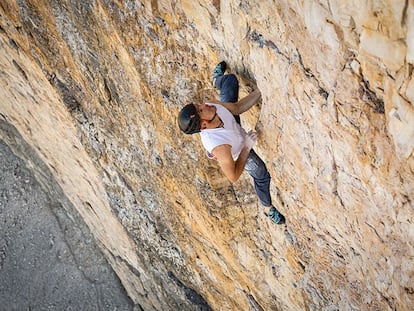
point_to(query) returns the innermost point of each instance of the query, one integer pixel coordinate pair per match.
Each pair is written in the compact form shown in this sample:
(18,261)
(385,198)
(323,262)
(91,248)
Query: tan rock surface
(95,87)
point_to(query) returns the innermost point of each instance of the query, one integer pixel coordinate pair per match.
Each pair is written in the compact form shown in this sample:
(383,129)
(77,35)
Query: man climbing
(218,123)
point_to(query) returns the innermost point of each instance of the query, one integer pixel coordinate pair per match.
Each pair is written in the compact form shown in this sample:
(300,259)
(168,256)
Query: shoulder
(211,138)
(222,152)
(223,112)
(233,108)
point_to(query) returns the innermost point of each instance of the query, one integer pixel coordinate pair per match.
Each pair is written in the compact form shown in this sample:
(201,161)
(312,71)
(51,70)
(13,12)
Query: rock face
(95,86)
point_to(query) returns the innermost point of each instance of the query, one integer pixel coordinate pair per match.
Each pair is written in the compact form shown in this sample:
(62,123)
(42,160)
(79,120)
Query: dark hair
(189,120)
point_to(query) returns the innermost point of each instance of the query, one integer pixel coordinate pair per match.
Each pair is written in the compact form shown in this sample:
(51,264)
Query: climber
(218,123)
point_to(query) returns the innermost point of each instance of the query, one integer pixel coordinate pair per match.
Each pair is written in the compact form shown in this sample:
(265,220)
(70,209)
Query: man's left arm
(233,169)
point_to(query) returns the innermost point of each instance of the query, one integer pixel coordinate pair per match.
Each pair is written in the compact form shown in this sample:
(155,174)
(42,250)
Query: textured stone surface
(95,87)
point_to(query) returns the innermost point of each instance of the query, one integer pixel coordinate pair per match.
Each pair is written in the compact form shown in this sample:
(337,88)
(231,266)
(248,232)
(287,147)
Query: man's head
(189,120)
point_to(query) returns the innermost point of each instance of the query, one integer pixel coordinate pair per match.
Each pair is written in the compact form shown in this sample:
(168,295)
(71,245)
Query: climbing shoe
(219,70)
(276,217)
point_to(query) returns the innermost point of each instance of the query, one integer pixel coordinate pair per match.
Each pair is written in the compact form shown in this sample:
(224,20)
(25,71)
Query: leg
(229,89)
(261,178)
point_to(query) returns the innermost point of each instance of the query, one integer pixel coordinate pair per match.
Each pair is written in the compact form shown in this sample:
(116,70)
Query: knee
(231,78)
(264,176)
(258,172)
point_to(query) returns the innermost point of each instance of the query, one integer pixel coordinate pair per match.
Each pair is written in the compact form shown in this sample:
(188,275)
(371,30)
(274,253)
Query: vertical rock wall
(95,87)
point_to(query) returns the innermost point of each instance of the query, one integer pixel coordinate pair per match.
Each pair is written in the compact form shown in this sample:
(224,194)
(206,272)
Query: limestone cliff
(95,86)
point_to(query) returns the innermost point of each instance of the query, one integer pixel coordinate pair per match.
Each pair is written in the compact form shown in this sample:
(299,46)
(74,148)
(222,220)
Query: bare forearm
(240,163)
(233,169)
(242,105)
(249,101)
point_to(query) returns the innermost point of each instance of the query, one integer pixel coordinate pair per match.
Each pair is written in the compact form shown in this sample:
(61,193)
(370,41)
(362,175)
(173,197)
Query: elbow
(234,109)
(233,179)
(237,111)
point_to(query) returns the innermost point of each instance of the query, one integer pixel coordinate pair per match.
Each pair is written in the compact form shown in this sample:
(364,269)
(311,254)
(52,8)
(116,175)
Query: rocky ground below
(48,258)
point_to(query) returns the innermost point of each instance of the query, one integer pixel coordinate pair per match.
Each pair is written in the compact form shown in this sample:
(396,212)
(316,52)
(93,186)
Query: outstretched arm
(233,169)
(248,101)
(243,104)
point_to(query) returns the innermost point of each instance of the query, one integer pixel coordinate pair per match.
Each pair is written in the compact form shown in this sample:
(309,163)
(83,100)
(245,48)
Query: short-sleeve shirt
(230,134)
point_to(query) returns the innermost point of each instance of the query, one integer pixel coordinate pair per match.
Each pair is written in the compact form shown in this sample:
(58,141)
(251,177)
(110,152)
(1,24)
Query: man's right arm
(243,104)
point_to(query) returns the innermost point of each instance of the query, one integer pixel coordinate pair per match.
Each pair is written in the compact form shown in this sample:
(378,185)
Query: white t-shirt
(230,134)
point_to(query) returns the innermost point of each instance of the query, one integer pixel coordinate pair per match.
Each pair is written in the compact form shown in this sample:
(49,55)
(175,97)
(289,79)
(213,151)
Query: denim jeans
(261,177)
(229,92)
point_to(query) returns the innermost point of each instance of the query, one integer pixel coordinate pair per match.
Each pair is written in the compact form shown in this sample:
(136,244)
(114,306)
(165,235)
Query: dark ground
(48,258)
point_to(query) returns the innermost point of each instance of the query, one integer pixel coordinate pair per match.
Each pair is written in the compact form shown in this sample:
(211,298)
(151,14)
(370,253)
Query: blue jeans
(229,92)
(261,177)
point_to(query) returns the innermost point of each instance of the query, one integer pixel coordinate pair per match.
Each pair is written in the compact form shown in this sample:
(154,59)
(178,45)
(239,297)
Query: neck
(215,114)
(215,122)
